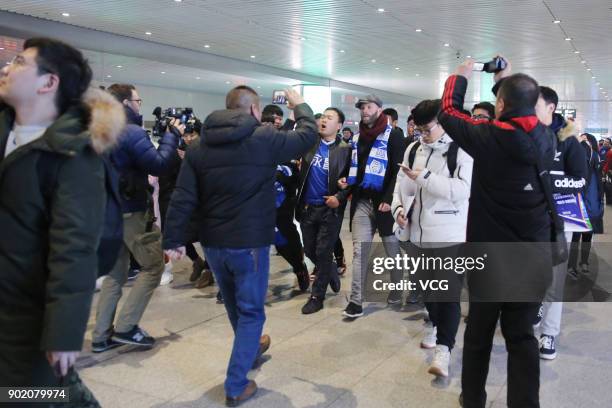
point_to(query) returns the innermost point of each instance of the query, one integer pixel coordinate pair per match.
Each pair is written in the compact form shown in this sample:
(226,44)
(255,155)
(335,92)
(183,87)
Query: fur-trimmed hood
(97,122)
(106,119)
(563,128)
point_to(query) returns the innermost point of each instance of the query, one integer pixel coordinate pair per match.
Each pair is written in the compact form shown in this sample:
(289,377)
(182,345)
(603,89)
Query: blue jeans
(242,276)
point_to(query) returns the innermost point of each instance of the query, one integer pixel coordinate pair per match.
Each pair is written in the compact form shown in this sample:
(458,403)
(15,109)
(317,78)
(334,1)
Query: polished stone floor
(322,360)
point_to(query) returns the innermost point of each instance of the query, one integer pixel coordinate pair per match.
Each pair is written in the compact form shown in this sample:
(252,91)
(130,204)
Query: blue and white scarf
(278,186)
(376,166)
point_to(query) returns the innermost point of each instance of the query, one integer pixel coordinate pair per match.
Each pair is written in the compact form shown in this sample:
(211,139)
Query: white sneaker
(99,282)
(429,339)
(440,362)
(167,276)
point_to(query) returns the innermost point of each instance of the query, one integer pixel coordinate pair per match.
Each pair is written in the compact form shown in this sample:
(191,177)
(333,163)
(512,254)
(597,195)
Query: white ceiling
(307,37)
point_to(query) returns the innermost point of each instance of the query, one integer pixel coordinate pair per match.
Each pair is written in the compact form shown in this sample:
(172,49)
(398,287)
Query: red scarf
(371,133)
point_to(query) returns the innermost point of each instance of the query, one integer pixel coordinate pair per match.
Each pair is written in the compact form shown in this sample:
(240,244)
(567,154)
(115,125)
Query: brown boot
(205,280)
(264,345)
(248,392)
(196,269)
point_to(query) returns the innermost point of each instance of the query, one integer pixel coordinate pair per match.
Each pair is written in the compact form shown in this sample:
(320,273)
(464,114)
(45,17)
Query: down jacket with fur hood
(48,241)
(569,171)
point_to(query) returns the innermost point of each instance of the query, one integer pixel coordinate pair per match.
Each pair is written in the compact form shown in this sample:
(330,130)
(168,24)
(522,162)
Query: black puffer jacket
(229,177)
(49,234)
(569,170)
(507,203)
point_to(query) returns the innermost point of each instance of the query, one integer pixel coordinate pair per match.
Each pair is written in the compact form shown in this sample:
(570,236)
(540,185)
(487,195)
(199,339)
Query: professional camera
(163,118)
(495,65)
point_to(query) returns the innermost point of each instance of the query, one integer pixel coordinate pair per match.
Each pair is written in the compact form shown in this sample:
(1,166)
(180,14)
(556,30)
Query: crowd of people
(76,204)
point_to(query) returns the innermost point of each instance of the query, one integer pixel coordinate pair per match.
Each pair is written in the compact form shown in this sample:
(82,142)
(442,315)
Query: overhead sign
(596,130)
(567,113)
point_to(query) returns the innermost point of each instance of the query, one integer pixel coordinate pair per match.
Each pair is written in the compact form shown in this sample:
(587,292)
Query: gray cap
(369,99)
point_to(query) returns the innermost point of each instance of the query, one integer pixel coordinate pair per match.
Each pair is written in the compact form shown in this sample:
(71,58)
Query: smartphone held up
(497,64)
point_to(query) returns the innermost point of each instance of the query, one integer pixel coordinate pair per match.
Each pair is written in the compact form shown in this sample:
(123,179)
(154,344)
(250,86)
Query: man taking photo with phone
(508,203)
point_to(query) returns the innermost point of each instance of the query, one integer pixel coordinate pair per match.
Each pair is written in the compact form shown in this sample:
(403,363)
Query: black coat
(49,235)
(167,183)
(339,164)
(569,171)
(229,176)
(395,152)
(507,203)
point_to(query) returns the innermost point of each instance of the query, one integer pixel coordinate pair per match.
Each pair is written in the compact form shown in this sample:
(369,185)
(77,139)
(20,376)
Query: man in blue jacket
(135,158)
(229,178)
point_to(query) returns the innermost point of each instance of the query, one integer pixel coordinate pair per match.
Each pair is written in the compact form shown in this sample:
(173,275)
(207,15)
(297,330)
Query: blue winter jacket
(135,157)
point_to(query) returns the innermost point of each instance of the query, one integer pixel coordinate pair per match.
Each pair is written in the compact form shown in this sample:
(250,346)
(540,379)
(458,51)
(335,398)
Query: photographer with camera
(201,273)
(135,158)
(509,203)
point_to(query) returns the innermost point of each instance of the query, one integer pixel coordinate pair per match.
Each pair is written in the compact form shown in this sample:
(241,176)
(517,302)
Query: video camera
(163,118)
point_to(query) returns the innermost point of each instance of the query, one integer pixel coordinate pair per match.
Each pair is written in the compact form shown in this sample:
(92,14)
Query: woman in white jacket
(430,206)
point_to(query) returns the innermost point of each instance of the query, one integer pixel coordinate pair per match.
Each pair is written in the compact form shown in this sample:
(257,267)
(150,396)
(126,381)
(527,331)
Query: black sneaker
(334,283)
(414,300)
(102,346)
(539,317)
(547,347)
(136,337)
(353,310)
(219,298)
(133,273)
(573,274)
(312,306)
(394,298)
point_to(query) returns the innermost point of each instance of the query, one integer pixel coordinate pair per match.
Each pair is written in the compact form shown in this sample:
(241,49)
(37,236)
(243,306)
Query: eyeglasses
(426,131)
(20,61)
(480,117)
(139,101)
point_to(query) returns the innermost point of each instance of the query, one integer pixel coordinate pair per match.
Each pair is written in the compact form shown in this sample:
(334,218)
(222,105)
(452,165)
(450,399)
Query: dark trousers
(339,251)
(516,321)
(191,252)
(321,229)
(242,276)
(584,249)
(445,316)
(293,252)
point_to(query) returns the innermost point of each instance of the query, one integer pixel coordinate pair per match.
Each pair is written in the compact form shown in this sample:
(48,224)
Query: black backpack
(112,232)
(451,156)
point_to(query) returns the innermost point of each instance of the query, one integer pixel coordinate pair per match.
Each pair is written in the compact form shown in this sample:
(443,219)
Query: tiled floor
(321,360)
